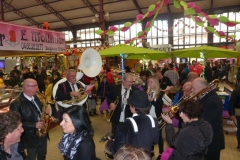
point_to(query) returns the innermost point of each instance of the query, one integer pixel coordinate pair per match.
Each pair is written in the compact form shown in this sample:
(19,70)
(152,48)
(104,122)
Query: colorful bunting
(190,11)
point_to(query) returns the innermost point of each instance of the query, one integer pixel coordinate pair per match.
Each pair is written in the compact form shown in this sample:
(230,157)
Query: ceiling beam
(168,9)
(53,11)
(137,6)
(90,6)
(22,15)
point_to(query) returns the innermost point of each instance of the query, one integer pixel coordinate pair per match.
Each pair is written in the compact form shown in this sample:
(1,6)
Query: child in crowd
(92,100)
(102,92)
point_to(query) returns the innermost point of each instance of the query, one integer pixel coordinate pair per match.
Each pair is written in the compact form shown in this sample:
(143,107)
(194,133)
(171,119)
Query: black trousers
(114,127)
(38,152)
(213,154)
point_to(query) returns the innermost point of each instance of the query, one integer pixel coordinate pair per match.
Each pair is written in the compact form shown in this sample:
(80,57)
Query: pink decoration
(221,33)
(127,41)
(148,24)
(165,2)
(150,14)
(113,28)
(124,29)
(214,22)
(197,9)
(139,17)
(197,19)
(191,5)
(230,24)
(204,15)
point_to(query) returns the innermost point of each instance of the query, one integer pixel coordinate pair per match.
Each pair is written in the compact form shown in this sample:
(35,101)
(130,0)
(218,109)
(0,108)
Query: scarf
(69,143)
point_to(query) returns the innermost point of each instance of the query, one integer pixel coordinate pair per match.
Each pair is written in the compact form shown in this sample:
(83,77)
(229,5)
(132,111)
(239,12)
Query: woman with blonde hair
(155,97)
(129,152)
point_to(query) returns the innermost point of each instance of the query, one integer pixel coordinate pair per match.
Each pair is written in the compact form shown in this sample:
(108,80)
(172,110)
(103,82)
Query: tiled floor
(101,127)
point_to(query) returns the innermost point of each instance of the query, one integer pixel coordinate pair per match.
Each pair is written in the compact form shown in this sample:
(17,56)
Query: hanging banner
(20,38)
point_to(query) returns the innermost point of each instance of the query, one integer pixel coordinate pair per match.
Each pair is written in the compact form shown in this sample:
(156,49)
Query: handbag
(237,112)
(167,154)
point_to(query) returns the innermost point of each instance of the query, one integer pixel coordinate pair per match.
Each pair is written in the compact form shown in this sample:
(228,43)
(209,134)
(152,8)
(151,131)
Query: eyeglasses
(32,85)
(129,81)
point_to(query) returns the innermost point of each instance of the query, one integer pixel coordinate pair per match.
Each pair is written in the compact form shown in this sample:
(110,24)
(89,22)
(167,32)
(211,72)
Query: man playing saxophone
(30,108)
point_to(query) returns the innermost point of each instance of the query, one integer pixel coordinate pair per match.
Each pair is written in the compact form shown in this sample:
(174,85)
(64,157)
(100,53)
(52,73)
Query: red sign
(20,38)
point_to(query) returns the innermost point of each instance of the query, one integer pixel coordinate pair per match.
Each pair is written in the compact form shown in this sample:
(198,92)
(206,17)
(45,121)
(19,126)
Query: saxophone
(45,118)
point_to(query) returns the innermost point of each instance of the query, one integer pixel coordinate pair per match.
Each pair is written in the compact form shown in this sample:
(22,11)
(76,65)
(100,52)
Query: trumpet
(111,114)
(199,95)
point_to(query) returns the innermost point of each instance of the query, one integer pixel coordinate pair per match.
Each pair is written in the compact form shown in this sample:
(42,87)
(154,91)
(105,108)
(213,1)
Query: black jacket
(100,89)
(85,150)
(212,113)
(190,142)
(234,101)
(29,116)
(146,136)
(158,103)
(115,91)
(61,94)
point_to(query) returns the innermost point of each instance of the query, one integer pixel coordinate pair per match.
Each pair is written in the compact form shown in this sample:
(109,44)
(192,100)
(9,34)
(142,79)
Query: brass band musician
(30,108)
(140,130)
(121,91)
(212,113)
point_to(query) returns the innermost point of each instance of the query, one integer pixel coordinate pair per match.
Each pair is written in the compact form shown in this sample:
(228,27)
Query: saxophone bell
(45,118)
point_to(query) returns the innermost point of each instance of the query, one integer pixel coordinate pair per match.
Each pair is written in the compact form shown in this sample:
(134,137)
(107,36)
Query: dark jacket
(29,116)
(190,142)
(234,101)
(145,137)
(209,74)
(100,89)
(212,113)
(61,94)
(158,103)
(164,82)
(85,150)
(115,91)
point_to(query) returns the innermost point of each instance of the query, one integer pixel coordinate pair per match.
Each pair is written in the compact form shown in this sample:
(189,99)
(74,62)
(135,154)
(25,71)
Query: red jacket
(196,68)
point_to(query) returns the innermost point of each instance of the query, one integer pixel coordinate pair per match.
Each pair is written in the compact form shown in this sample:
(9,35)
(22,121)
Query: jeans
(238,130)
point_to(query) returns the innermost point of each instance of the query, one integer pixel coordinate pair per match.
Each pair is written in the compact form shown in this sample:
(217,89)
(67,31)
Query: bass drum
(55,87)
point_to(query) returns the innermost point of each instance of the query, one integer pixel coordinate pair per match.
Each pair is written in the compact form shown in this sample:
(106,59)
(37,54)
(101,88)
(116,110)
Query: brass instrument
(111,114)
(199,95)
(45,118)
(76,100)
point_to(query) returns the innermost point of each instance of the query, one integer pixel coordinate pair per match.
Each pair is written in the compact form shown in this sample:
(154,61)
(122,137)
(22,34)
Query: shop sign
(20,38)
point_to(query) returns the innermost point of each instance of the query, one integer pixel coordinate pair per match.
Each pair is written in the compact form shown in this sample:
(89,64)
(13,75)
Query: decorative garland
(190,10)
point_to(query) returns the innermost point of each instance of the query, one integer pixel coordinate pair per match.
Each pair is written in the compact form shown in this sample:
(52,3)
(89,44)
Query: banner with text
(20,38)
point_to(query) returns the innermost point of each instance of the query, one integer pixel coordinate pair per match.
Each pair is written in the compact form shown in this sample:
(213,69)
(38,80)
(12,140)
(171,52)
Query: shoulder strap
(64,87)
(134,124)
(152,120)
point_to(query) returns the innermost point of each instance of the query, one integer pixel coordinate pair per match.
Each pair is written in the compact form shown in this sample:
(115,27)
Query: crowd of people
(135,109)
